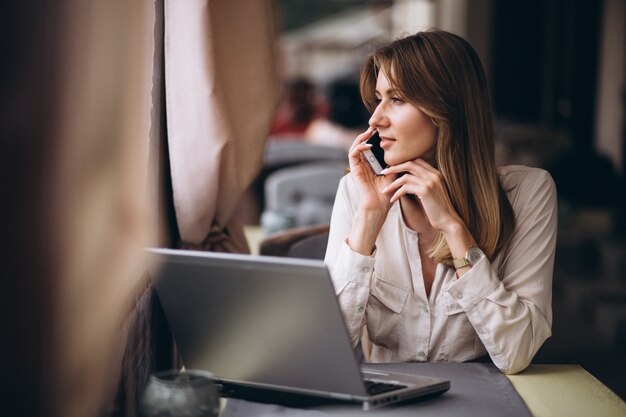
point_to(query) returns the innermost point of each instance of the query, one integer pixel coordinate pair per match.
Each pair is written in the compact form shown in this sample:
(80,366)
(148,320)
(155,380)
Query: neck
(414,215)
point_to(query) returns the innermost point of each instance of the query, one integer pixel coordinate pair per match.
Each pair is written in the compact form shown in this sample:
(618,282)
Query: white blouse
(502,307)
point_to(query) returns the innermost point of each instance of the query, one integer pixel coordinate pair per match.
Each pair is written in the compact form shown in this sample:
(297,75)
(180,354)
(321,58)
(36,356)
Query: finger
(358,146)
(410,184)
(358,161)
(364,160)
(362,137)
(406,189)
(354,159)
(418,170)
(397,183)
(408,166)
(357,151)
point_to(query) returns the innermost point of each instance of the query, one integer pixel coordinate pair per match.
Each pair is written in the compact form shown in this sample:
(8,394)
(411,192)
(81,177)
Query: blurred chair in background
(301,242)
(280,154)
(301,195)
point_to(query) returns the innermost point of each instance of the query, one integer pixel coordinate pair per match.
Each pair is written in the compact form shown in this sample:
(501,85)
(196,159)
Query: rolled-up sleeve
(511,309)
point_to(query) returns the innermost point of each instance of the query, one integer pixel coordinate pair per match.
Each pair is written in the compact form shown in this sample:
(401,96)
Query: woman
(444,257)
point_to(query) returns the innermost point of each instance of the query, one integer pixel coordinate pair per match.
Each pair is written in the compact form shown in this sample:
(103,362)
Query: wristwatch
(471,258)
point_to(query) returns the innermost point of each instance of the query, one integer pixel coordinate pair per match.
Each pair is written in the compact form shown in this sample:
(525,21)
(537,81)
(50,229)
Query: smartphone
(375,155)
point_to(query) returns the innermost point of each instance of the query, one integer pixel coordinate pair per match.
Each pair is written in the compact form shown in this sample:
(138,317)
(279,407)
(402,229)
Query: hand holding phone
(375,155)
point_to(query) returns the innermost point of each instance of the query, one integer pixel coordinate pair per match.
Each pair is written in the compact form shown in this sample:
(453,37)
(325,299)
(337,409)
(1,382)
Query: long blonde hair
(441,74)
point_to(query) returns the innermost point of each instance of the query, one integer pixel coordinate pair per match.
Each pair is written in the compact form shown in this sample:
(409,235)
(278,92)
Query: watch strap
(470,259)
(460,262)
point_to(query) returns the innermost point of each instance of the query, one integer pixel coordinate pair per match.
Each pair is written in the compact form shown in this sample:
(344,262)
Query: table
(477,390)
(254,235)
(566,390)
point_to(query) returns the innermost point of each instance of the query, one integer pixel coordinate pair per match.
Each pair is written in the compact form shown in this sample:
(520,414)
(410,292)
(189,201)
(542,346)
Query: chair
(280,153)
(301,195)
(302,242)
(311,247)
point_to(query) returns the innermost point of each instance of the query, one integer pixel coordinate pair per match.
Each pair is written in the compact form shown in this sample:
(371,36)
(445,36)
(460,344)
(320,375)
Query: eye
(396,100)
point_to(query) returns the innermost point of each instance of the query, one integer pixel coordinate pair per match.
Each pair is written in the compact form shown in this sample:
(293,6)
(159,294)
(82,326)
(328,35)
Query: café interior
(215,126)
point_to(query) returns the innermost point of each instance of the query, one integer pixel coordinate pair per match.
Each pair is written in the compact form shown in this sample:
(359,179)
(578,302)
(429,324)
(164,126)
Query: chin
(392,161)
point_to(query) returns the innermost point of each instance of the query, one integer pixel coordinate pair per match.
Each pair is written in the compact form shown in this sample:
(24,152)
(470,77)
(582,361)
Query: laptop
(270,327)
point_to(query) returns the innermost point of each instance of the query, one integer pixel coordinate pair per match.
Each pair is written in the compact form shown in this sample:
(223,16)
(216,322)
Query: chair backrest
(300,242)
(312,247)
(304,192)
(285,152)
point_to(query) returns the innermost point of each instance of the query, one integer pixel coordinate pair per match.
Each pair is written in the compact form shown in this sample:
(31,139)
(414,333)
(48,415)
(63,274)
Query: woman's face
(406,132)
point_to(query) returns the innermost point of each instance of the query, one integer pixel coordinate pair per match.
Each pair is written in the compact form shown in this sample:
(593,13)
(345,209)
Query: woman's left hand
(426,183)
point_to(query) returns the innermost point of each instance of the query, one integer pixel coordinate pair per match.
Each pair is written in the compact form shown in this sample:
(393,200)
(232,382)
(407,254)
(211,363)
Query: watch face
(473,255)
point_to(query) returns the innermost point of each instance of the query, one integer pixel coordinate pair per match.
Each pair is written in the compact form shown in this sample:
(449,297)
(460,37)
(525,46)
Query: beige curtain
(75,126)
(100,212)
(221,91)
(75,215)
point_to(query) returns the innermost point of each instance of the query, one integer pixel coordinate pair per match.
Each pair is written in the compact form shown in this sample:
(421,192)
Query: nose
(379,118)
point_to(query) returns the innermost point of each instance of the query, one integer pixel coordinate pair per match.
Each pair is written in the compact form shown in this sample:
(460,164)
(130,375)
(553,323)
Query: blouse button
(421,354)
(366,269)
(360,309)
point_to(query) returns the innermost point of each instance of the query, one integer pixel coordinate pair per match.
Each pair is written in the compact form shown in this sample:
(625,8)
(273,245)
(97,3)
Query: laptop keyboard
(374,388)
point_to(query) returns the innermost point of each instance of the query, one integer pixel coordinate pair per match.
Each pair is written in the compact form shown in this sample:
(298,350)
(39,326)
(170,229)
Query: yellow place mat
(254,235)
(566,390)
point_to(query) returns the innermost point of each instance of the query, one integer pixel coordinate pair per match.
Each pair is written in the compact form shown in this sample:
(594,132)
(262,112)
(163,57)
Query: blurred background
(556,70)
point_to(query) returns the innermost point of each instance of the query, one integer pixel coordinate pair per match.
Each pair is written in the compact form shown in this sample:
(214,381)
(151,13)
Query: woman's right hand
(373,204)
(369,184)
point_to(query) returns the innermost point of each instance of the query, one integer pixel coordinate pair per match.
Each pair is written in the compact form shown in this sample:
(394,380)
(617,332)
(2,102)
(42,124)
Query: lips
(385,142)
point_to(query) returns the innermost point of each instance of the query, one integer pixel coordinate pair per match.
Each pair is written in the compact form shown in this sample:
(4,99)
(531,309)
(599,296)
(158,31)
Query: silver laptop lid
(257,321)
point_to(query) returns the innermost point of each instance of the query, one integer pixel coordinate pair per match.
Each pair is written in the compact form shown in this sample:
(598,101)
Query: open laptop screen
(257,321)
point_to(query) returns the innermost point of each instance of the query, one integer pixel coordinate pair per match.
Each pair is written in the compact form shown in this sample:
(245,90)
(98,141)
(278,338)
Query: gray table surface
(477,389)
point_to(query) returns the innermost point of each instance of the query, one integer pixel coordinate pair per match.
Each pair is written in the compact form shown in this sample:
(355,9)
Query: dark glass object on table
(181,393)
